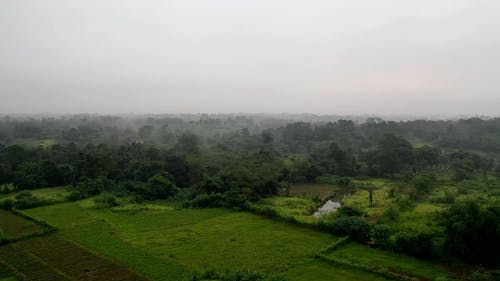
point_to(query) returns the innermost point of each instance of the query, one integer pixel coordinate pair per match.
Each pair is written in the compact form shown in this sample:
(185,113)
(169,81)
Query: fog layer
(329,57)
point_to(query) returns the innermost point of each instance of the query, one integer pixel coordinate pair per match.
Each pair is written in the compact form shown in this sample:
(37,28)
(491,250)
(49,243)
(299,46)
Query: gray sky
(328,57)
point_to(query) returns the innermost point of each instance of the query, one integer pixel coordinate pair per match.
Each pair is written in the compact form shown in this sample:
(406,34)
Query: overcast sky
(328,57)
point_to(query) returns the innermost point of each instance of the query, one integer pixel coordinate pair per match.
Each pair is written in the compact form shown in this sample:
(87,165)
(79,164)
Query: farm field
(5,274)
(54,258)
(160,242)
(362,256)
(13,226)
(50,256)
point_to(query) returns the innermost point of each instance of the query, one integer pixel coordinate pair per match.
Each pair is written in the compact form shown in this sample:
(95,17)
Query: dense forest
(231,161)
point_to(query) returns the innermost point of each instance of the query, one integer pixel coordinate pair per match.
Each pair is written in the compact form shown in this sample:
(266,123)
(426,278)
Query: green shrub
(212,200)
(354,227)
(23,194)
(74,196)
(417,244)
(7,188)
(472,232)
(391,214)
(6,204)
(442,196)
(106,200)
(349,211)
(25,200)
(381,236)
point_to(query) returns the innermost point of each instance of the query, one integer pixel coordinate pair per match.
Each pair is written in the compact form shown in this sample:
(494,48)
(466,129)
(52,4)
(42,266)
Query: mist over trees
(228,161)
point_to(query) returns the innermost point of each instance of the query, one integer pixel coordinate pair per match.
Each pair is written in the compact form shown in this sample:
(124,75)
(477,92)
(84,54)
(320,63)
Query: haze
(325,57)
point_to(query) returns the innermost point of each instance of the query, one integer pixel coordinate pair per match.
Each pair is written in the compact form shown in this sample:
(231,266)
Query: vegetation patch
(73,261)
(158,241)
(14,227)
(26,266)
(288,208)
(312,190)
(382,261)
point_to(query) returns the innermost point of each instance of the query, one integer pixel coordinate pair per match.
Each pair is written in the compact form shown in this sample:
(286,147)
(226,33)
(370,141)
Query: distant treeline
(60,151)
(482,135)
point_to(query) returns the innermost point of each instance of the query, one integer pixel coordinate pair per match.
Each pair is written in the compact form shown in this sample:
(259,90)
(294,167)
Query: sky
(439,57)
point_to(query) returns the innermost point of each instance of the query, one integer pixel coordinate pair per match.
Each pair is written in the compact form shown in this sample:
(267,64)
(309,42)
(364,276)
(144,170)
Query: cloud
(347,56)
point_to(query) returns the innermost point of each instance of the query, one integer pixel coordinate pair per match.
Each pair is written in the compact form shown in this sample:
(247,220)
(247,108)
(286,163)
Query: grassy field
(300,209)
(26,266)
(54,258)
(51,257)
(161,241)
(363,256)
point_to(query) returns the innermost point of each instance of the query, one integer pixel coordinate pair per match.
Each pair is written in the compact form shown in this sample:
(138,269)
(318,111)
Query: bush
(350,211)
(355,227)
(23,194)
(234,198)
(206,201)
(230,199)
(472,232)
(6,204)
(160,186)
(417,244)
(443,196)
(391,214)
(27,201)
(106,200)
(74,196)
(7,188)
(247,275)
(381,236)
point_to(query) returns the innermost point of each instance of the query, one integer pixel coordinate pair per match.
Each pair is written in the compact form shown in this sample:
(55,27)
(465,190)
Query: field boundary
(270,213)
(386,272)
(46,229)
(330,248)
(383,272)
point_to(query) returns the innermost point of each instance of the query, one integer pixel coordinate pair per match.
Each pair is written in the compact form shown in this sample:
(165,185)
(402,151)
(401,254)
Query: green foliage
(6,204)
(423,183)
(417,244)
(26,200)
(7,188)
(354,227)
(350,211)
(391,155)
(106,200)
(160,187)
(204,200)
(380,235)
(472,232)
(75,195)
(94,186)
